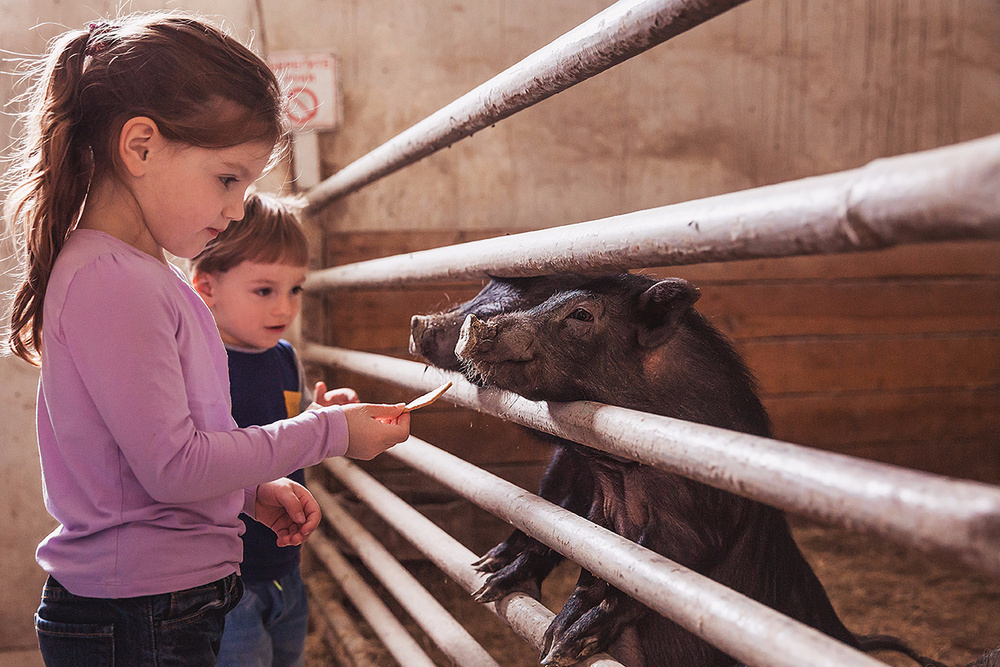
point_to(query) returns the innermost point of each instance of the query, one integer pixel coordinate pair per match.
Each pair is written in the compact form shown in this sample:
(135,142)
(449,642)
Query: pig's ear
(661,308)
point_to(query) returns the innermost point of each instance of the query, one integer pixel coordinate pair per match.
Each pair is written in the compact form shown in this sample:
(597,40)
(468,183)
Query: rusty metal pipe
(625,29)
(927,512)
(446,632)
(741,627)
(525,615)
(397,640)
(950,193)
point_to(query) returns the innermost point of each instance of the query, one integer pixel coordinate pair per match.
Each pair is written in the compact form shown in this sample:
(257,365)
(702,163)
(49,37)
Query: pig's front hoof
(497,558)
(500,586)
(563,655)
(505,553)
(580,640)
(590,622)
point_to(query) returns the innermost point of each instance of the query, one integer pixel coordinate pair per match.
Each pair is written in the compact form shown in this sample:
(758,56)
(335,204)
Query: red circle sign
(303,105)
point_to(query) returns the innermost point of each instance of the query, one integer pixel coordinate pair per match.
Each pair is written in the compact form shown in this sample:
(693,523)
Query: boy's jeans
(268,627)
(181,628)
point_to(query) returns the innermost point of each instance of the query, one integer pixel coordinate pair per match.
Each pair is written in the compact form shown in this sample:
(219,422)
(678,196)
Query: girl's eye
(297,290)
(263,291)
(582,314)
(228,180)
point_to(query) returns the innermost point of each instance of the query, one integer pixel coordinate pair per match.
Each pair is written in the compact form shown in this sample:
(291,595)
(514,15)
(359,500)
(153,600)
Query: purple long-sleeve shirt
(142,463)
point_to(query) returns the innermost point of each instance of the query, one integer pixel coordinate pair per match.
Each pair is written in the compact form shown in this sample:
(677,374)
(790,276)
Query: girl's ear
(205,286)
(138,137)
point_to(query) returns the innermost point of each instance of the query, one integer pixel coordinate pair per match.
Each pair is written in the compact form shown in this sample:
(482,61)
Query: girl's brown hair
(269,233)
(201,86)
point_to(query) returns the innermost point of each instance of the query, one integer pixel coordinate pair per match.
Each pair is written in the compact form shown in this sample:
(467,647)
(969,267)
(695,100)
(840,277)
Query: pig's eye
(581,314)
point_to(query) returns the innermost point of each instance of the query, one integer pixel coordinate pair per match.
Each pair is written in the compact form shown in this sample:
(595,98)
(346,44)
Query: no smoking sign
(311,82)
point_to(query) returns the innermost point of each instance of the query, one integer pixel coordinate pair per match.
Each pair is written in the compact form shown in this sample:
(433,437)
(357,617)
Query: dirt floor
(945,611)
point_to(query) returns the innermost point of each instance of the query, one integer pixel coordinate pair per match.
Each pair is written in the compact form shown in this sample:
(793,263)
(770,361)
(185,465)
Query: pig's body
(631,341)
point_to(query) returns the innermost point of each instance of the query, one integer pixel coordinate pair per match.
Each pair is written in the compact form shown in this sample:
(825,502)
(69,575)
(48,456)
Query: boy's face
(253,303)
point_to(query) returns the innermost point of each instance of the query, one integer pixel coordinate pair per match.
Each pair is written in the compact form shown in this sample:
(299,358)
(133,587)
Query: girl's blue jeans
(268,627)
(182,628)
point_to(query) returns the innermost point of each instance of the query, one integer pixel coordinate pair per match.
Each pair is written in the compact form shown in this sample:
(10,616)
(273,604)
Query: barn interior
(885,352)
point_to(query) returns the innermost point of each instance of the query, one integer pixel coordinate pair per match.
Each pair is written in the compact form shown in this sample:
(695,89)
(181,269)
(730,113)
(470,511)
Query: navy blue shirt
(265,387)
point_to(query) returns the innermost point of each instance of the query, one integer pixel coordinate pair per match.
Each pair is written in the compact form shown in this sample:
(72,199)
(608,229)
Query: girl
(142,136)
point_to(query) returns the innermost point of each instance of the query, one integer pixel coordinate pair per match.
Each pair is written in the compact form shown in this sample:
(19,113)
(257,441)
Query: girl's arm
(155,369)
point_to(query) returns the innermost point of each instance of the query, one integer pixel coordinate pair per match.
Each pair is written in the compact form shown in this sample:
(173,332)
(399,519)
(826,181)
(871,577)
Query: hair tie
(95,43)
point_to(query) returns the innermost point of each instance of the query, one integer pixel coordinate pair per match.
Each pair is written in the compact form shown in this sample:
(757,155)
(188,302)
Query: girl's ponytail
(52,169)
(201,86)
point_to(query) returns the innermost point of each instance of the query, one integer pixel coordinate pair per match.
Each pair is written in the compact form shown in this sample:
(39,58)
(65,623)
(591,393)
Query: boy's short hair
(269,233)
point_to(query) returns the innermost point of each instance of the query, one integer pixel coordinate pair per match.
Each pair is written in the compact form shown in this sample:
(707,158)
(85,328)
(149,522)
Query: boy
(251,278)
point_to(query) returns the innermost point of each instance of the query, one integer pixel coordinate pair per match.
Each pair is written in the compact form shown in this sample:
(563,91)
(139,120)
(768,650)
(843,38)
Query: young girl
(142,136)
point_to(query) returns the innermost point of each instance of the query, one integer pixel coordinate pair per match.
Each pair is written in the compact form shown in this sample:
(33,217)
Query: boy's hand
(287,508)
(373,428)
(341,396)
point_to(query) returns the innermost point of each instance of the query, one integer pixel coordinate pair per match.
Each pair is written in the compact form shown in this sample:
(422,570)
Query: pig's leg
(521,562)
(654,510)
(591,620)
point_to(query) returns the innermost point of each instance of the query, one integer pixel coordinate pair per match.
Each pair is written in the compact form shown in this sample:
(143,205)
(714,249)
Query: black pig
(635,342)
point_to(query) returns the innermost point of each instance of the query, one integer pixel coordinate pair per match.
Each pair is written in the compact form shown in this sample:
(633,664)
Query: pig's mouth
(507,375)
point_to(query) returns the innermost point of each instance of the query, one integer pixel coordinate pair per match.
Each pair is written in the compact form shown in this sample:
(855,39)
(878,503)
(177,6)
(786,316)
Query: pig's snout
(418,325)
(500,339)
(472,337)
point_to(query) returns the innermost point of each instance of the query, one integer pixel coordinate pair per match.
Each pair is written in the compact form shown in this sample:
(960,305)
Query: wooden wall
(891,355)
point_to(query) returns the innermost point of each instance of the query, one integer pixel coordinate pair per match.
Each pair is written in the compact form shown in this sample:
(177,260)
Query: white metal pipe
(741,627)
(525,615)
(950,193)
(624,30)
(397,640)
(446,632)
(924,511)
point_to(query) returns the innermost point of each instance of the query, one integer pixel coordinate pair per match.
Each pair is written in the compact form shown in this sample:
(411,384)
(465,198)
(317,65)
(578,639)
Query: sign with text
(311,82)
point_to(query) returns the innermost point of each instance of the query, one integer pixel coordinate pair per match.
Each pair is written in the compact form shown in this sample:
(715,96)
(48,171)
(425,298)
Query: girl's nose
(234,210)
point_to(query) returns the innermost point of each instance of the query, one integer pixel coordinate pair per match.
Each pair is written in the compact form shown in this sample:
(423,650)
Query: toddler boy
(251,278)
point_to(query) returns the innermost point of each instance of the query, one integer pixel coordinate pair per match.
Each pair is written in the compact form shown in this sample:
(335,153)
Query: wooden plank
(829,420)
(870,364)
(978,460)
(965,258)
(357,246)
(910,306)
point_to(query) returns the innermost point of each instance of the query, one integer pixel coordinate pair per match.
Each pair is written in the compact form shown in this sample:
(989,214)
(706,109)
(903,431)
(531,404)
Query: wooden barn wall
(890,355)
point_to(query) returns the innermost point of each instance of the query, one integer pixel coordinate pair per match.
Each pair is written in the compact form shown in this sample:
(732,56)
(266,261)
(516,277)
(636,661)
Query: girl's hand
(372,428)
(341,396)
(287,508)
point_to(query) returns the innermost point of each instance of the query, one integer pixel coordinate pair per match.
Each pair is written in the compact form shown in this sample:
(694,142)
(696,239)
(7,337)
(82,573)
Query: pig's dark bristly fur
(631,341)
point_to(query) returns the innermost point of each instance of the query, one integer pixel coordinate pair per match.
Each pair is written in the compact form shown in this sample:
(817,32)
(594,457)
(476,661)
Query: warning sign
(311,82)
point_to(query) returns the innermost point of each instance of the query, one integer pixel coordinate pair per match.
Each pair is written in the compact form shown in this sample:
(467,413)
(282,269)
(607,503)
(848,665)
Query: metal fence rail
(446,632)
(927,512)
(950,193)
(397,640)
(525,615)
(624,30)
(706,608)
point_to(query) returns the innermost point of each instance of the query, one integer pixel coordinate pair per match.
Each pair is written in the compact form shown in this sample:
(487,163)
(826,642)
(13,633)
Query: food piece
(428,398)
